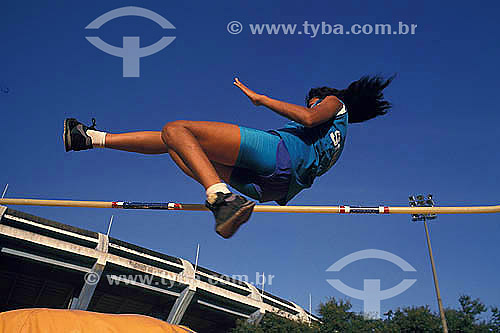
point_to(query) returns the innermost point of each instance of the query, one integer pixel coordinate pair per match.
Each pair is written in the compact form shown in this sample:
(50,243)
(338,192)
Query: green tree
(272,323)
(466,319)
(495,320)
(413,319)
(336,316)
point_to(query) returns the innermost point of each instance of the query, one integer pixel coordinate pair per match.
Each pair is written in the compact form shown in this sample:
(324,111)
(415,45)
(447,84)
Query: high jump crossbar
(258,208)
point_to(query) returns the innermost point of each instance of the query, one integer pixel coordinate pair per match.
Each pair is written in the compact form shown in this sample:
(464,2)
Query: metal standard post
(436,284)
(420,201)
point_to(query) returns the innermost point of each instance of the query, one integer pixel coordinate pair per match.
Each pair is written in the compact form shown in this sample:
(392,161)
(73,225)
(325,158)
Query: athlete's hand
(254,97)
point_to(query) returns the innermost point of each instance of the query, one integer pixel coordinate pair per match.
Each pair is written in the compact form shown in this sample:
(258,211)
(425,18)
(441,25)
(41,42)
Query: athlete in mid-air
(270,165)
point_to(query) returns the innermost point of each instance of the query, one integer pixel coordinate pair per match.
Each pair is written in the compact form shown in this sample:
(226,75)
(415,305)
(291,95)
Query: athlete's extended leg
(137,142)
(144,142)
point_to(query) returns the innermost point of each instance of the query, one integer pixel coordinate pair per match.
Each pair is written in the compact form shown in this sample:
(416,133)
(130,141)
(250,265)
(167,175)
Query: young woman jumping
(270,165)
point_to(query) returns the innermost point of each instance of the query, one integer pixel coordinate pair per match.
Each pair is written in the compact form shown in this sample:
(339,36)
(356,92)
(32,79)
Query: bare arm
(308,117)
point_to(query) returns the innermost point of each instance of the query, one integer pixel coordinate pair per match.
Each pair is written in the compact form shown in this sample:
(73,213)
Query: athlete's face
(312,101)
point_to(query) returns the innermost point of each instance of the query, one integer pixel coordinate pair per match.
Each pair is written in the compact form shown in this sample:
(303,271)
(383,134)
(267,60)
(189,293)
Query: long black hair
(363,98)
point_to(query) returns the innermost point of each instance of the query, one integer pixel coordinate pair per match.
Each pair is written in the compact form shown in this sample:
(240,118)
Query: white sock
(98,138)
(212,190)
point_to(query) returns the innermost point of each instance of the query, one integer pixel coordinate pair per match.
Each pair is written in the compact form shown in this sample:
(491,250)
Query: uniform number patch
(336,138)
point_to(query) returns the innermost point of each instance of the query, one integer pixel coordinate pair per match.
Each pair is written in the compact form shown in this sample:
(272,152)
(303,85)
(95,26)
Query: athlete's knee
(171,130)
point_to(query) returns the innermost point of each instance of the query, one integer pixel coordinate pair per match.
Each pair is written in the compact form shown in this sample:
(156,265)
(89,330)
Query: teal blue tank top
(313,151)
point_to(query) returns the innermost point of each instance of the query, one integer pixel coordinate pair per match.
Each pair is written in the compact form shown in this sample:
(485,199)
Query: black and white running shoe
(230,212)
(75,135)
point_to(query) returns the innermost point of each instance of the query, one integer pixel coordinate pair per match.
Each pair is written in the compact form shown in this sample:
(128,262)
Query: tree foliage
(336,316)
(272,323)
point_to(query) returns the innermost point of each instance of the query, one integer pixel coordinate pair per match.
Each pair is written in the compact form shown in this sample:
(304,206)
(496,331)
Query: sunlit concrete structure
(49,264)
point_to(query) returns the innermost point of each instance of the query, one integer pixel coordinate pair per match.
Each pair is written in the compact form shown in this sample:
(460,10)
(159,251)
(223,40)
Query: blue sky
(441,136)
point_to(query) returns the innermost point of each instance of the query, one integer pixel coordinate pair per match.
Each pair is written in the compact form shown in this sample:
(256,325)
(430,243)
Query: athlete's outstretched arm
(327,109)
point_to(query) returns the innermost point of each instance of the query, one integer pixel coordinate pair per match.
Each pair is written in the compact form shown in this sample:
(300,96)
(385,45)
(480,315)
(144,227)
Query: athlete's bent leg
(200,147)
(199,142)
(223,171)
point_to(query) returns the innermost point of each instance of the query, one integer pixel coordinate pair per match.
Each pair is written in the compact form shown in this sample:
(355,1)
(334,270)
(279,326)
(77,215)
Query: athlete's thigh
(220,141)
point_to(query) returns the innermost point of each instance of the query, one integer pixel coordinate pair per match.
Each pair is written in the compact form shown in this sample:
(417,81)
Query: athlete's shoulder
(337,105)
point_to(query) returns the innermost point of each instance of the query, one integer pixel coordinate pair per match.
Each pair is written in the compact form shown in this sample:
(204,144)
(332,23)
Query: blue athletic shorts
(263,169)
